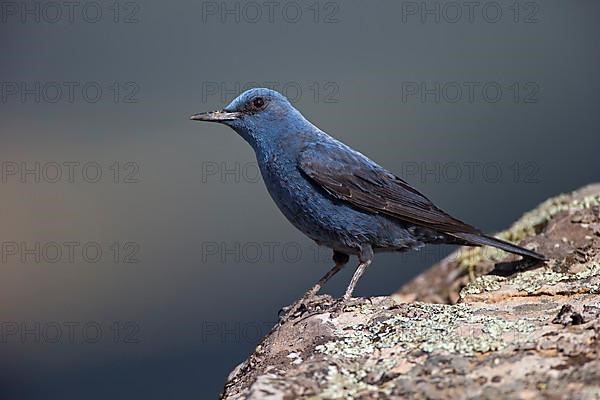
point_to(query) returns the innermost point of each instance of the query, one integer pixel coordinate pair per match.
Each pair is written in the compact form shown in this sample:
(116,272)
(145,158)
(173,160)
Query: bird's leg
(340,260)
(365,257)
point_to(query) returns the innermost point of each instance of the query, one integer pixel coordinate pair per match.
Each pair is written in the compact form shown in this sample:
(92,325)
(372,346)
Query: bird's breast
(309,209)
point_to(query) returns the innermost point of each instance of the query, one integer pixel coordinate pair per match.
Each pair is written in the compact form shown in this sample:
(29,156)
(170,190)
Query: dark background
(215,258)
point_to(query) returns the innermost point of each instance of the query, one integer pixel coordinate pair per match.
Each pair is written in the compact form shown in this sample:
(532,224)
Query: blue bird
(337,196)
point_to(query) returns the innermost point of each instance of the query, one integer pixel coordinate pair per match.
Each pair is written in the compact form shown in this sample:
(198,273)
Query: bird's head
(257,113)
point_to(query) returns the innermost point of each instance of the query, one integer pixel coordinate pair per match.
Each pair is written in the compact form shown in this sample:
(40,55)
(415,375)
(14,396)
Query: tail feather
(482,239)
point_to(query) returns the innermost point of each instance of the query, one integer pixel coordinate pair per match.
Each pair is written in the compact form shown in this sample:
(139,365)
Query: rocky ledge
(476,325)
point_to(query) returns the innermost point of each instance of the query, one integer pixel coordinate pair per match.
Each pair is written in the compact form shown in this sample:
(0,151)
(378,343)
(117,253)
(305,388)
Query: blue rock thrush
(334,194)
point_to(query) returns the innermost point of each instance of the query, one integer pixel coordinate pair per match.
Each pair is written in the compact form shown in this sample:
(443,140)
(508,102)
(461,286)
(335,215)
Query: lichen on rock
(529,334)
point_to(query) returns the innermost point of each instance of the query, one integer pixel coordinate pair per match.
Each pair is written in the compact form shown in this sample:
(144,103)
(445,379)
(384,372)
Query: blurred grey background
(141,254)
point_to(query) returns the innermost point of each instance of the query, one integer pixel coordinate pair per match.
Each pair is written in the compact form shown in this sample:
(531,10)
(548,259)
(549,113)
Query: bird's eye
(258,102)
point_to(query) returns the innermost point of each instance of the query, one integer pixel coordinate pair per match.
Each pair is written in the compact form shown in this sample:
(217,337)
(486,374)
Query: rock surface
(494,333)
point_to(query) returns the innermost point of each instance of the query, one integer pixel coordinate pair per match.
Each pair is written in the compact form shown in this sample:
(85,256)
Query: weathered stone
(531,334)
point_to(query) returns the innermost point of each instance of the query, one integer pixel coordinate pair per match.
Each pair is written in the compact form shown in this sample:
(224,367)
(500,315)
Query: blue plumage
(334,194)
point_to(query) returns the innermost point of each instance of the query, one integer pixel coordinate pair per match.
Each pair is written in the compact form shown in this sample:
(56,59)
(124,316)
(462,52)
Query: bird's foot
(311,305)
(288,313)
(337,309)
(342,305)
(332,307)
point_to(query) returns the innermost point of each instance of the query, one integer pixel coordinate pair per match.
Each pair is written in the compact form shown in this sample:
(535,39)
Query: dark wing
(349,176)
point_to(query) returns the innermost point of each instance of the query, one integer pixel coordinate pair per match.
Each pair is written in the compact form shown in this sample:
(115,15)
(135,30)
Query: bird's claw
(307,307)
(341,306)
(312,305)
(337,309)
(288,312)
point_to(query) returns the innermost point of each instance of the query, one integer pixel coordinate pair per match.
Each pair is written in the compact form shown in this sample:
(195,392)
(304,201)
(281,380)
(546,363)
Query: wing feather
(349,176)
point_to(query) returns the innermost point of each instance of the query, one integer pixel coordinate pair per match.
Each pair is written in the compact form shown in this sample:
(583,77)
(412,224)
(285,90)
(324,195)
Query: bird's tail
(501,244)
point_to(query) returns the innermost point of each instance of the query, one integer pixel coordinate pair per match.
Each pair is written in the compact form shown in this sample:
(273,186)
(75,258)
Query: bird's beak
(216,116)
